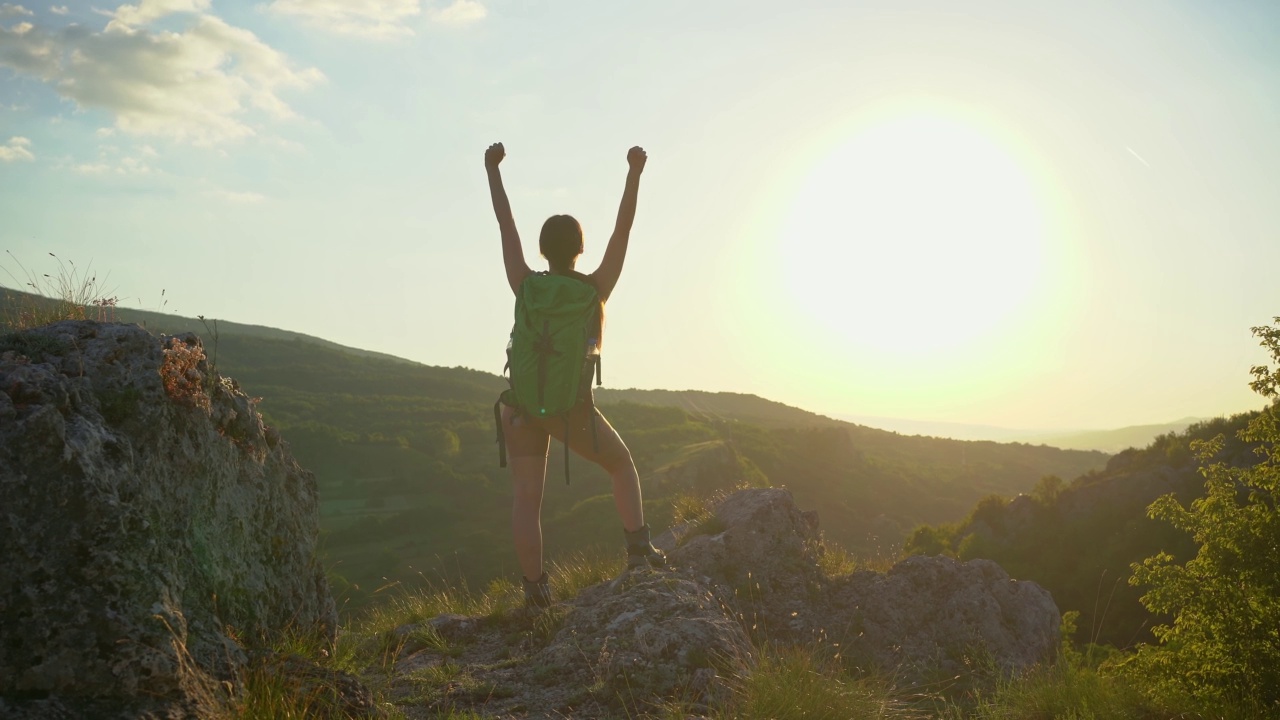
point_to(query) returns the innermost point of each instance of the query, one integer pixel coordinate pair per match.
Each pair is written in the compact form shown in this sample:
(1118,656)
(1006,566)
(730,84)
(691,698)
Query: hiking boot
(537,593)
(640,551)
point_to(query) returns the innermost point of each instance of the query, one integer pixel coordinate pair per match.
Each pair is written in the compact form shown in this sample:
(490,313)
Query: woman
(528,437)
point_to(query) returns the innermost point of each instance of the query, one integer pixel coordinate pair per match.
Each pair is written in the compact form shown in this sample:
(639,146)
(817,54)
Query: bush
(1223,647)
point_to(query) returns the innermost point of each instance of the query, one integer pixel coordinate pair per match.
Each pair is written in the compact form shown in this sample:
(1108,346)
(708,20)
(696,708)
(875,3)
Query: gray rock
(144,511)
(933,617)
(764,551)
(685,632)
(648,634)
(924,616)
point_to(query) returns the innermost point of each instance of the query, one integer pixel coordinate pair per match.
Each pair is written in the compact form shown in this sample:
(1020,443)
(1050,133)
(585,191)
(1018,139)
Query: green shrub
(1223,647)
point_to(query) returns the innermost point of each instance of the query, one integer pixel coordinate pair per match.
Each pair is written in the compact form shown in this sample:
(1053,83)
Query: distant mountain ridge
(1114,441)
(1109,440)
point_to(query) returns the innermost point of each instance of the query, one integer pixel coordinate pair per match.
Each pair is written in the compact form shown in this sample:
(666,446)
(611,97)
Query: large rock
(936,617)
(761,548)
(924,616)
(146,514)
(648,634)
(684,633)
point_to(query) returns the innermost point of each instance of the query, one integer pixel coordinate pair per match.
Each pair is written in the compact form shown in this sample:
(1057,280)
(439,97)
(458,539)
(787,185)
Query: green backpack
(554,346)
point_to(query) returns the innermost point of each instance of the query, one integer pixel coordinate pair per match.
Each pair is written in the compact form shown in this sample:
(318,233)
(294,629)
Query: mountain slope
(406,460)
(1078,539)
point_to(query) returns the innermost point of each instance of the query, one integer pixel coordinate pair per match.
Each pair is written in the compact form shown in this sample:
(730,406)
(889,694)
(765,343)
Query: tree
(1224,642)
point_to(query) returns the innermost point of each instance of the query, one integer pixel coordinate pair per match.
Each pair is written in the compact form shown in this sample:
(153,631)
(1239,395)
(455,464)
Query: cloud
(461,12)
(150,10)
(364,18)
(113,161)
(203,85)
(60,10)
(92,168)
(9,9)
(18,148)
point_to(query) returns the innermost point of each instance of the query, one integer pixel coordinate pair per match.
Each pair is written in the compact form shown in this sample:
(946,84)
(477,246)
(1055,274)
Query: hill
(1079,538)
(411,491)
(1113,441)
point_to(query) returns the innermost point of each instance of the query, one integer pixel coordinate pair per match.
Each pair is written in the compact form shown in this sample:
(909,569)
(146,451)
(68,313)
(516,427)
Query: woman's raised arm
(606,276)
(512,253)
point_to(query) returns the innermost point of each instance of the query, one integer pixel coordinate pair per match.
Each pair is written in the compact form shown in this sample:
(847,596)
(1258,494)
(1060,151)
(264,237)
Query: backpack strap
(545,347)
(502,436)
(566,449)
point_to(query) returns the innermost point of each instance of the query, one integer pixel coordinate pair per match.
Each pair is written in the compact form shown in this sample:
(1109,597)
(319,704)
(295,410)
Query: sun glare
(919,233)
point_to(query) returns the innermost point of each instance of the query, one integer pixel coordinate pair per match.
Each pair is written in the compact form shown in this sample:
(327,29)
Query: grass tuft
(68,294)
(573,573)
(799,682)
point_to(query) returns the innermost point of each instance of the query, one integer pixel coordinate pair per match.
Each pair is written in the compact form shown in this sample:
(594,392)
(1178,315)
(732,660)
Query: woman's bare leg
(527,446)
(626,495)
(528,475)
(611,454)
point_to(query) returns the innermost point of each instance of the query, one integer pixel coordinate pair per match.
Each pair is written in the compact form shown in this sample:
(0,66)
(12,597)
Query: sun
(917,234)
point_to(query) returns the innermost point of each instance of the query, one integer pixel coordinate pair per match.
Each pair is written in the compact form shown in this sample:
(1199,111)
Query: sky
(1025,215)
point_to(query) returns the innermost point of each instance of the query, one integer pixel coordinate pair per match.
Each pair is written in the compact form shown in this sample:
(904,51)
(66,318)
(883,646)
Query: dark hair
(561,240)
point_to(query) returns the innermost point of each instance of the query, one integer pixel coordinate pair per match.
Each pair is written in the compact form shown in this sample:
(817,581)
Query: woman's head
(561,241)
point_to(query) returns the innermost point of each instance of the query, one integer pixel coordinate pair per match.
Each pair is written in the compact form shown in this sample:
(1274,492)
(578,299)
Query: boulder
(749,571)
(151,525)
(924,616)
(936,617)
(758,546)
(648,634)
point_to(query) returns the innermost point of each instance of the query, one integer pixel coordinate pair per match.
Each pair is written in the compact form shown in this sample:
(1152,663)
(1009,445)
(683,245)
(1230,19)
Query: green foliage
(1047,490)
(1066,690)
(835,561)
(578,570)
(930,540)
(1224,642)
(799,682)
(1078,539)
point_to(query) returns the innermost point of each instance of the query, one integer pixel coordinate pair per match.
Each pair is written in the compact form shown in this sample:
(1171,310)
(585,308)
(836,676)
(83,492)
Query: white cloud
(18,148)
(461,12)
(237,197)
(92,168)
(9,9)
(150,10)
(112,161)
(204,84)
(365,18)
(59,10)
(22,28)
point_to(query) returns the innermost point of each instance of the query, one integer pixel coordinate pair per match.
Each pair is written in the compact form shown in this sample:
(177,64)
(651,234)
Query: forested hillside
(411,491)
(1079,538)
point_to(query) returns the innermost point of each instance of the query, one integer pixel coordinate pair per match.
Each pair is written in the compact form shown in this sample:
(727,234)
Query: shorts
(528,436)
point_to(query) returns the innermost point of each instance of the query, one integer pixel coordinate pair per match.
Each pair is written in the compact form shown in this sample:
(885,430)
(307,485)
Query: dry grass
(68,294)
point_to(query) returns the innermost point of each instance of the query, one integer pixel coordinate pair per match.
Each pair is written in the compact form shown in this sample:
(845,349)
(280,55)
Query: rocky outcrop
(745,576)
(758,546)
(152,526)
(938,617)
(926,615)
